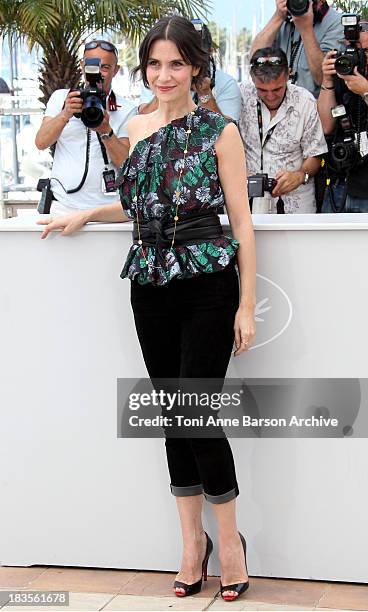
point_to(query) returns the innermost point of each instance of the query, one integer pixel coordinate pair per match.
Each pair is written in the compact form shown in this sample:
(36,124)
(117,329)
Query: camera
(93,96)
(207,44)
(258,184)
(297,7)
(352,56)
(300,7)
(44,205)
(344,152)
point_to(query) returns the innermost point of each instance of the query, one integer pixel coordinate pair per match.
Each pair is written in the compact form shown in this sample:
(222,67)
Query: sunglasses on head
(273,61)
(104,44)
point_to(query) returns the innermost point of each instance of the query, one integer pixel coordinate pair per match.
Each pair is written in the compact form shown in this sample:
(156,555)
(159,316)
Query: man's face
(271,93)
(363,40)
(109,65)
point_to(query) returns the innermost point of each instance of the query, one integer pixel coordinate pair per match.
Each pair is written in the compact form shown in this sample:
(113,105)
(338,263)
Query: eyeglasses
(104,44)
(273,61)
(364,26)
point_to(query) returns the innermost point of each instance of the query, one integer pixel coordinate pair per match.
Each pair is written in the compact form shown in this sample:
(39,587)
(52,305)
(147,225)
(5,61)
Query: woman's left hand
(244,328)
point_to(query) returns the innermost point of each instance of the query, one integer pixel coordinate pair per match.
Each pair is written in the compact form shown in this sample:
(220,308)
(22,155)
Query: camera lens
(92,112)
(340,153)
(345,64)
(297,7)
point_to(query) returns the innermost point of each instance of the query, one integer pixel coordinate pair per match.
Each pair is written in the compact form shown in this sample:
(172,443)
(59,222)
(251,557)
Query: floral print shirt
(297,134)
(151,173)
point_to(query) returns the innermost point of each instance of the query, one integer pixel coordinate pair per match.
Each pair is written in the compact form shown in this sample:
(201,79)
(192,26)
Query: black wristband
(107,136)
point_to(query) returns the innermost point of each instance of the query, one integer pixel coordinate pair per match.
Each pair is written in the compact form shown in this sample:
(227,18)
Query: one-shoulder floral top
(151,172)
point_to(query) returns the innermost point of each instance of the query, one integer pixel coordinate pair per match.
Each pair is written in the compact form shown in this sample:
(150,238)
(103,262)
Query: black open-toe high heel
(192,589)
(238,587)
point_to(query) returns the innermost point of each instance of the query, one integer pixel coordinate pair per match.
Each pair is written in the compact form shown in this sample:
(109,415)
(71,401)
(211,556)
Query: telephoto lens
(345,64)
(344,155)
(93,111)
(93,95)
(297,7)
(340,153)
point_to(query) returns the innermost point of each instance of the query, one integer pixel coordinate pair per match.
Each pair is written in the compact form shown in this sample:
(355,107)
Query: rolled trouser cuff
(185,491)
(224,497)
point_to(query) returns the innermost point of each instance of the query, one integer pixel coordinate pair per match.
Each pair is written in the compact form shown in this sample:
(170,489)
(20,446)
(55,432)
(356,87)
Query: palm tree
(58,27)
(353,6)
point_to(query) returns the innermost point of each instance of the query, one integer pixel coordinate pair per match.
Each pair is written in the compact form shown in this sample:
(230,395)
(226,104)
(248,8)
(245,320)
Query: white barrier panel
(72,493)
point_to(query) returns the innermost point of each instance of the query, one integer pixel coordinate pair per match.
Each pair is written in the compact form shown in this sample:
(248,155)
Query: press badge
(108,181)
(363,143)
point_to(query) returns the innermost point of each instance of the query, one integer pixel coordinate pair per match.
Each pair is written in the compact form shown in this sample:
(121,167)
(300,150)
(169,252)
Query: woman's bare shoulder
(137,128)
(134,123)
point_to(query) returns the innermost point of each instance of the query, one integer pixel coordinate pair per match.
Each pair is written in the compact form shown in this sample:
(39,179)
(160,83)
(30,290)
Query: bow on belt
(191,228)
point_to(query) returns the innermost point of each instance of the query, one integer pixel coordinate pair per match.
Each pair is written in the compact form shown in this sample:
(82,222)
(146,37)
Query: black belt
(194,226)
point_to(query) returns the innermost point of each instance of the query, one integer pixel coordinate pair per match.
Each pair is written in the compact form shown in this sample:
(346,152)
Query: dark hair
(183,34)
(207,41)
(268,72)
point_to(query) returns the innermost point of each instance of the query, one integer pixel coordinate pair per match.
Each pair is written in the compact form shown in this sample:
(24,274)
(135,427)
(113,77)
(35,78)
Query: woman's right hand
(328,68)
(68,223)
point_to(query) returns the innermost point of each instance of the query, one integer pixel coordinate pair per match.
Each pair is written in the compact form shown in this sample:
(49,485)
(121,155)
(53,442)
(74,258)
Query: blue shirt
(329,34)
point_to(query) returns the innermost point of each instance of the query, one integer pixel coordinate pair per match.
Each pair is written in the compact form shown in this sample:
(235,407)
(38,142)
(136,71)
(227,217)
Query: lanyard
(280,203)
(294,48)
(103,150)
(260,128)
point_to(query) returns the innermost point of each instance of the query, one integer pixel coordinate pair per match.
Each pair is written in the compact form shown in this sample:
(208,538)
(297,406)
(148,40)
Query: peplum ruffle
(184,261)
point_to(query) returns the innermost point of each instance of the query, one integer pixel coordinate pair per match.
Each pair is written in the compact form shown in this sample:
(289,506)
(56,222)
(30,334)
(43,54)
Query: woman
(184,162)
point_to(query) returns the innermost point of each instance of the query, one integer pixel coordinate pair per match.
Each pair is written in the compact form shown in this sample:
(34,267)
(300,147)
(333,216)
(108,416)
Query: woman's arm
(232,173)
(109,213)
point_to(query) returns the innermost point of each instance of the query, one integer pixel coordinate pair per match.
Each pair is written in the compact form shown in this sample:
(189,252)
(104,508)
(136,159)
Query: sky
(241,11)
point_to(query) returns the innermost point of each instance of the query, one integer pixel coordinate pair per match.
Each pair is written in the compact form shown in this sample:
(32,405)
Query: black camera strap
(260,129)
(103,150)
(280,207)
(86,165)
(294,49)
(280,203)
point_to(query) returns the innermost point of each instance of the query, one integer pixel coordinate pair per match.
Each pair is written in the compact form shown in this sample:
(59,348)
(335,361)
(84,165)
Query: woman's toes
(179,590)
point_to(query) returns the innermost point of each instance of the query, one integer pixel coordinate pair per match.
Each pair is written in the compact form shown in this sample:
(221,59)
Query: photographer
(305,31)
(218,91)
(282,135)
(86,158)
(351,91)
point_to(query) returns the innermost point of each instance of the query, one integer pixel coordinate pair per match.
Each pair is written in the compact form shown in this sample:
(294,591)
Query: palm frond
(32,14)
(58,27)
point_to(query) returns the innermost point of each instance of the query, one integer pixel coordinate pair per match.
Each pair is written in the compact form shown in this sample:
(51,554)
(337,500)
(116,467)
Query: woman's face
(168,75)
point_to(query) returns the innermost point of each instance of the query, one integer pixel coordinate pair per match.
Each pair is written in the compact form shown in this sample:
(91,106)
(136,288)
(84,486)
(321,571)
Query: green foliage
(353,6)
(59,27)
(220,38)
(36,19)
(244,41)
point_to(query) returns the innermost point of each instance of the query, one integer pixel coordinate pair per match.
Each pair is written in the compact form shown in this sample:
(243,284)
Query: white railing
(17,146)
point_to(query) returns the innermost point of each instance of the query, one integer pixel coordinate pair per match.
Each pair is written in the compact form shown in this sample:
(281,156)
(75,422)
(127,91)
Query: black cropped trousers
(186,330)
